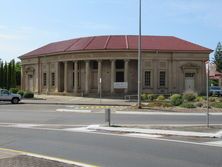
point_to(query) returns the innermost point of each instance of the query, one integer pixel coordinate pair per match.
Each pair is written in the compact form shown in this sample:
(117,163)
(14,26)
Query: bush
(151,97)
(199,104)
(144,96)
(160,98)
(200,98)
(212,99)
(189,96)
(21,93)
(176,99)
(14,90)
(28,94)
(217,105)
(188,105)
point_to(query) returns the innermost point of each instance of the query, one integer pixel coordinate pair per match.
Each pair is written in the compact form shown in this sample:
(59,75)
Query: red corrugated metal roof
(119,42)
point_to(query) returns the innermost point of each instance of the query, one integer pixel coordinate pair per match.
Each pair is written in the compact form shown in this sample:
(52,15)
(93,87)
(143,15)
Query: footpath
(13,158)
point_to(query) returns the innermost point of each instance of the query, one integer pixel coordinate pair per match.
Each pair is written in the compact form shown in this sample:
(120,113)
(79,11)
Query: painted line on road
(49,158)
(73,110)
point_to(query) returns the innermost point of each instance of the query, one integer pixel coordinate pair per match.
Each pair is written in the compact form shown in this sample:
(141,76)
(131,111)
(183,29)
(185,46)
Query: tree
(218,57)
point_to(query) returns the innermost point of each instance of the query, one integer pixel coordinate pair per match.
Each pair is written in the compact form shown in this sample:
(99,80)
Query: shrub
(160,98)
(176,99)
(151,97)
(189,96)
(13,90)
(144,96)
(188,105)
(217,105)
(212,99)
(200,98)
(28,94)
(199,104)
(21,92)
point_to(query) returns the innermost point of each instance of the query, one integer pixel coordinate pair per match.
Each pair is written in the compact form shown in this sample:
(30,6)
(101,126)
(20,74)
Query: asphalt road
(47,114)
(110,151)
(102,149)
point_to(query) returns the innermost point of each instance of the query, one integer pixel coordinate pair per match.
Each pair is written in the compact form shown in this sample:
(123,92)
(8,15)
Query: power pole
(139,59)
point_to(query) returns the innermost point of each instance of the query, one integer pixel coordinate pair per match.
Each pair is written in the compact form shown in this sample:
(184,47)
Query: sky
(26,25)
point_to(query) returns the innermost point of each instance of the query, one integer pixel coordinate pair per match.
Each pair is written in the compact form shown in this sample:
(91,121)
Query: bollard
(108,116)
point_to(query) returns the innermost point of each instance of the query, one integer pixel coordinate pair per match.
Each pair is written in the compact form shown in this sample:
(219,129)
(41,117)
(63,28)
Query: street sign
(120,85)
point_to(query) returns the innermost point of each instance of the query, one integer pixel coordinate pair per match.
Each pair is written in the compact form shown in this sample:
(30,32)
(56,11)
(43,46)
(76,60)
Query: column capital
(126,60)
(87,61)
(112,60)
(99,61)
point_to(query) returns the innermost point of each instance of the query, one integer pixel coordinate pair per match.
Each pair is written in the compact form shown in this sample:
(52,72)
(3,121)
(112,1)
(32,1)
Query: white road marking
(73,110)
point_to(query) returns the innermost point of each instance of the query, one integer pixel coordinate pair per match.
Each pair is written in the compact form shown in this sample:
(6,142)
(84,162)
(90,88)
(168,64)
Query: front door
(189,82)
(30,83)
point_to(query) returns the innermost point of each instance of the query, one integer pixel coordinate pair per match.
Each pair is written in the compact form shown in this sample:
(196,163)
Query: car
(215,90)
(5,95)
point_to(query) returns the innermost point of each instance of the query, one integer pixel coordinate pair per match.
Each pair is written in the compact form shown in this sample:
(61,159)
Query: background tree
(218,57)
(10,74)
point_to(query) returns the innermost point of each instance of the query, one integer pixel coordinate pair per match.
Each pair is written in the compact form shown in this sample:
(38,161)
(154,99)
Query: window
(162,78)
(147,78)
(44,79)
(119,64)
(119,76)
(95,65)
(53,79)
(189,74)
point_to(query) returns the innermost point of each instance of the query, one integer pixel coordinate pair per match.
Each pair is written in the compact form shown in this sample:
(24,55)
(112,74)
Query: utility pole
(139,59)
(207,114)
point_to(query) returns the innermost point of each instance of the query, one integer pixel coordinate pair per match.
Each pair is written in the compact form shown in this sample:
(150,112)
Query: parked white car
(5,95)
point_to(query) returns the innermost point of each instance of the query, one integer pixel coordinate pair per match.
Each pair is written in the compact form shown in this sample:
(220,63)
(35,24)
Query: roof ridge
(89,42)
(127,44)
(74,42)
(107,40)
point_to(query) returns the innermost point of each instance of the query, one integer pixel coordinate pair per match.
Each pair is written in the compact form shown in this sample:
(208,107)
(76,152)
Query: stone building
(84,66)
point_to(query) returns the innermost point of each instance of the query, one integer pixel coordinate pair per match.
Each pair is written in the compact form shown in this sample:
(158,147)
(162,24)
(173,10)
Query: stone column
(48,78)
(65,77)
(113,75)
(99,75)
(57,77)
(87,77)
(126,74)
(22,78)
(76,77)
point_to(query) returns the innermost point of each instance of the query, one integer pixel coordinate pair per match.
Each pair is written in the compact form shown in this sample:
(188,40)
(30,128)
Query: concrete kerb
(155,131)
(18,152)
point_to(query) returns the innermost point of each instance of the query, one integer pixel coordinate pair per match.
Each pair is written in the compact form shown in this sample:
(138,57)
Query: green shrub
(188,105)
(189,96)
(160,98)
(13,90)
(151,97)
(212,99)
(200,98)
(28,94)
(217,105)
(144,96)
(21,93)
(199,104)
(176,99)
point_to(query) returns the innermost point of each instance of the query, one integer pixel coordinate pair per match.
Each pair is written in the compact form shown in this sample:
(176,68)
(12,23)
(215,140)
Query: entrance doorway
(30,83)
(189,82)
